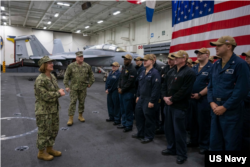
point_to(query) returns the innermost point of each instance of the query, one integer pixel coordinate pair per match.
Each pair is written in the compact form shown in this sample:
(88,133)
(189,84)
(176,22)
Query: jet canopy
(108,47)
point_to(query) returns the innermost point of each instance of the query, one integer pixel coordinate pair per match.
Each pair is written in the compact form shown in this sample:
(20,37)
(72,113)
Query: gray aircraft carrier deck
(94,143)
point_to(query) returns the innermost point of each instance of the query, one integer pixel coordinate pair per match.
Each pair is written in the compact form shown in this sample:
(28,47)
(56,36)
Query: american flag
(196,23)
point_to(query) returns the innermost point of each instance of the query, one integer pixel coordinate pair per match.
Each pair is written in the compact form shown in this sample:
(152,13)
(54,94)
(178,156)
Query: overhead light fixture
(4,17)
(65,4)
(49,22)
(4,23)
(2,8)
(85,35)
(44,27)
(56,15)
(78,31)
(100,21)
(116,13)
(87,27)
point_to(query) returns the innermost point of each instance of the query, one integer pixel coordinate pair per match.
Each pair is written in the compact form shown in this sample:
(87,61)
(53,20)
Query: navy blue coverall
(113,96)
(200,109)
(228,87)
(127,84)
(139,69)
(148,91)
(177,85)
(246,125)
(158,105)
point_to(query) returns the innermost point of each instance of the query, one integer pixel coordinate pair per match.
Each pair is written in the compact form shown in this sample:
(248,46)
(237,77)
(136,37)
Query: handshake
(61,91)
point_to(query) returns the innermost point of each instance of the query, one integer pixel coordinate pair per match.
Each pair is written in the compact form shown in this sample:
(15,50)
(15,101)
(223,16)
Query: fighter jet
(98,55)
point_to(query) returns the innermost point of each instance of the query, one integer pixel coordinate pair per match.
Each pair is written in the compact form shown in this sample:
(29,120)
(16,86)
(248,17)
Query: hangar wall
(70,41)
(161,27)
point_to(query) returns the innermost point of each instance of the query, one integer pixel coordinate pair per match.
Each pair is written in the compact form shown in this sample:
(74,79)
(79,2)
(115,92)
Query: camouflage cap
(127,56)
(181,54)
(138,58)
(246,54)
(79,53)
(190,61)
(148,57)
(224,40)
(44,60)
(171,56)
(116,64)
(202,50)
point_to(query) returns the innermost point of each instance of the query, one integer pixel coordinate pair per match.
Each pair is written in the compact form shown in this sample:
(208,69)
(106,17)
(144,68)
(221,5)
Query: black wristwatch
(199,95)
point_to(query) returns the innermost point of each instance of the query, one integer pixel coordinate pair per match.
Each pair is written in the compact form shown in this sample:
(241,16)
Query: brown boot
(53,152)
(70,121)
(81,118)
(44,155)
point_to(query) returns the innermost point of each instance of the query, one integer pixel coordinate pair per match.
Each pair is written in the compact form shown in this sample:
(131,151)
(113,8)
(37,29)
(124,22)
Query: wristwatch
(199,95)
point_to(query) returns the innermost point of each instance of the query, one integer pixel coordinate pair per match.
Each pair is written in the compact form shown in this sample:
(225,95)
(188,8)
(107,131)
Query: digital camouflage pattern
(44,60)
(46,110)
(46,94)
(80,76)
(48,126)
(74,95)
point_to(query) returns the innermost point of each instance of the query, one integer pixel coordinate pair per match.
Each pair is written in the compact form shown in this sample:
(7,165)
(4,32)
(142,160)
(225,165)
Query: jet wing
(86,56)
(52,57)
(64,57)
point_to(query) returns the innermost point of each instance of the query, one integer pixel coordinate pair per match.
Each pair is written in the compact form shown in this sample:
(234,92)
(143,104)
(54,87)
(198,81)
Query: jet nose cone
(160,63)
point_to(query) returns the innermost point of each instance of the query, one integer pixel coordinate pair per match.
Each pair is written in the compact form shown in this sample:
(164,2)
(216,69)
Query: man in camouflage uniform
(81,76)
(47,93)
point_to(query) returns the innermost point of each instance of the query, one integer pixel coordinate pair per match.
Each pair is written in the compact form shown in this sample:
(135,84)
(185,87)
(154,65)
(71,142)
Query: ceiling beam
(77,15)
(158,10)
(17,8)
(123,8)
(9,15)
(28,12)
(131,8)
(71,7)
(51,4)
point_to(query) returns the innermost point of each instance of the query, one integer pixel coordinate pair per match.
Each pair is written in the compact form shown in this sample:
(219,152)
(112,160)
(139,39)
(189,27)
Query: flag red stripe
(135,2)
(240,40)
(229,5)
(224,24)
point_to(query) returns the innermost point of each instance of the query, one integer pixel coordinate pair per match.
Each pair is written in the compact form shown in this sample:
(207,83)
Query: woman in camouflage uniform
(47,93)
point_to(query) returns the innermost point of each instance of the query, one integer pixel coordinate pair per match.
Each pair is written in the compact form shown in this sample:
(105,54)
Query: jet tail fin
(20,50)
(58,47)
(37,48)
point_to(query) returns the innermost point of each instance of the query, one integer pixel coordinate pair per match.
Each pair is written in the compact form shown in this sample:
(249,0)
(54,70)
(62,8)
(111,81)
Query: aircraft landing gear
(105,74)
(104,78)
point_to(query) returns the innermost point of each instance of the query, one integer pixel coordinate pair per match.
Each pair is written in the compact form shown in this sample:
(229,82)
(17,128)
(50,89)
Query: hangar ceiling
(71,17)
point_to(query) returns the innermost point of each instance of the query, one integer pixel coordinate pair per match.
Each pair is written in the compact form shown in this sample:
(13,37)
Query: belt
(220,99)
